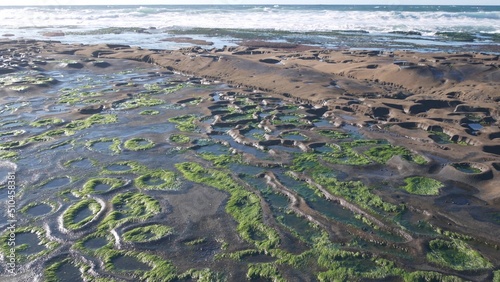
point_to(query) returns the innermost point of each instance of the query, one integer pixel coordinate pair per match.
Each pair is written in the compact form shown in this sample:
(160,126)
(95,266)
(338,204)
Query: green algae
(50,272)
(419,185)
(70,214)
(195,242)
(158,180)
(6,155)
(383,153)
(90,185)
(203,275)
(334,134)
(77,125)
(12,133)
(267,271)
(185,122)
(137,102)
(356,192)
(73,96)
(147,233)
(179,138)
(222,160)
(135,144)
(344,155)
(243,205)
(133,167)
(149,112)
(160,269)
(128,207)
(41,234)
(114,147)
(456,254)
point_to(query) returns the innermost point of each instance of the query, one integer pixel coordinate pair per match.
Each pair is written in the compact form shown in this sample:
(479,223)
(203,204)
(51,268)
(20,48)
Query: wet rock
(91,110)
(270,61)
(53,34)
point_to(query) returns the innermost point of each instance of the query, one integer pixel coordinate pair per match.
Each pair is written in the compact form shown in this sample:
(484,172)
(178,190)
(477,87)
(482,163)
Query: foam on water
(299,18)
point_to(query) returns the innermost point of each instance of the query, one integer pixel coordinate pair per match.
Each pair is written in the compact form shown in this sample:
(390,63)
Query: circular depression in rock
(39,210)
(468,168)
(80,214)
(56,183)
(138,144)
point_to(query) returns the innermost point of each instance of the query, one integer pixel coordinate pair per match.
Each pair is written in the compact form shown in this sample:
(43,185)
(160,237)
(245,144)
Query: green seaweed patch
(420,185)
(264,270)
(43,240)
(124,167)
(345,154)
(72,212)
(185,122)
(138,144)
(383,153)
(149,113)
(345,265)
(357,192)
(158,180)
(6,155)
(72,96)
(77,125)
(456,254)
(496,274)
(114,147)
(90,186)
(147,233)
(139,102)
(243,205)
(305,161)
(195,242)
(130,207)
(60,144)
(334,134)
(46,136)
(429,276)
(203,275)
(159,269)
(12,133)
(179,138)
(156,88)
(222,160)
(51,272)
(46,122)
(33,80)
(13,144)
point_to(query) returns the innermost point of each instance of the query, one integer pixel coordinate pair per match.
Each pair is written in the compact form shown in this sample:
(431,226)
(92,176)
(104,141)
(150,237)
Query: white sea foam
(254,17)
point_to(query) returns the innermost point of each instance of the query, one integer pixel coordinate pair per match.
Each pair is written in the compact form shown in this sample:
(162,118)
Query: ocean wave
(425,19)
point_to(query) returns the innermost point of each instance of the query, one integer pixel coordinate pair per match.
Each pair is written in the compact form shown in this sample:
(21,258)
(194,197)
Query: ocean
(335,26)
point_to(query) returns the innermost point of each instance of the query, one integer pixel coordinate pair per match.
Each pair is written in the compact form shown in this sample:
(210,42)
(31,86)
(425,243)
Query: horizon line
(197,4)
